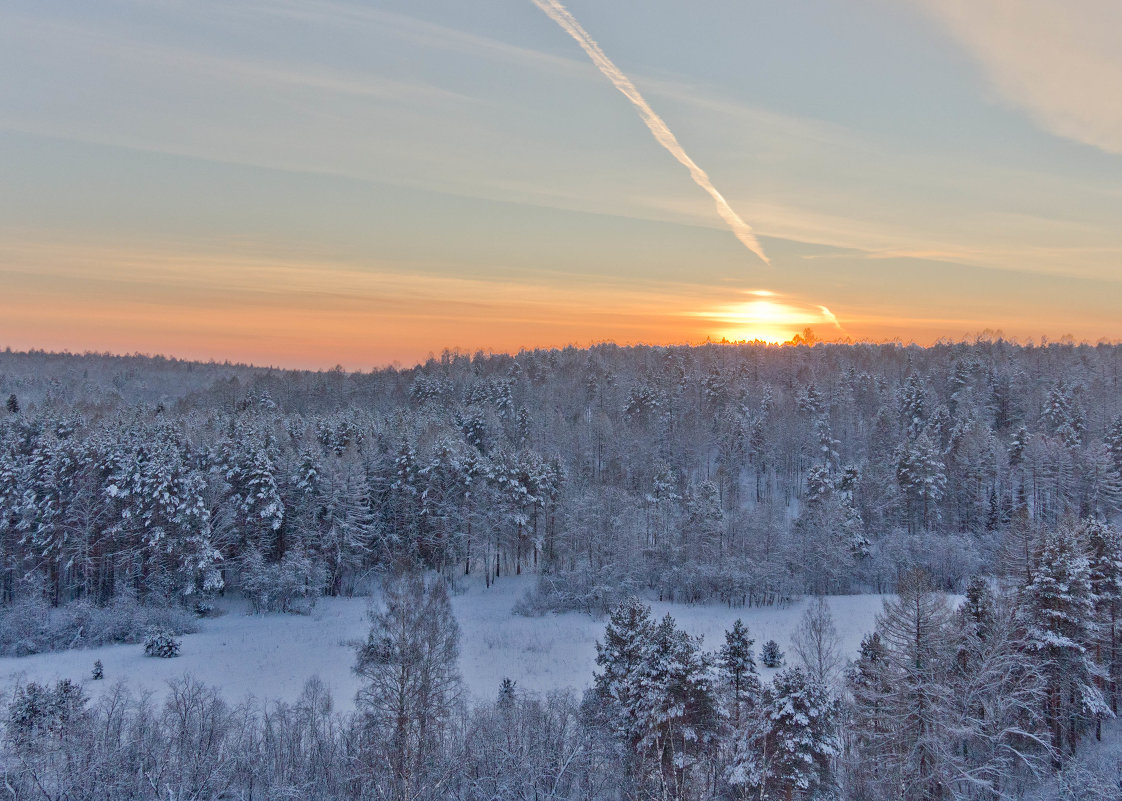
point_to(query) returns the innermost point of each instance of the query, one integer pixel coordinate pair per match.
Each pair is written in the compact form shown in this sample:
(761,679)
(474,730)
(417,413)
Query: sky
(304,184)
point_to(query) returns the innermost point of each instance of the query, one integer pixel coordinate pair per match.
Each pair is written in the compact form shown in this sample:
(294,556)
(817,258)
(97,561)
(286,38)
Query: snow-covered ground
(271,656)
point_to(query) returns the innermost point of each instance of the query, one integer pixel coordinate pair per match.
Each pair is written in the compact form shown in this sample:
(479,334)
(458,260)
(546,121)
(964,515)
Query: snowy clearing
(271,656)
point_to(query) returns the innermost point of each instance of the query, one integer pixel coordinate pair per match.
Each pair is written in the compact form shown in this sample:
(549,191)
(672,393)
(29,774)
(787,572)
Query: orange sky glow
(367,182)
(298,315)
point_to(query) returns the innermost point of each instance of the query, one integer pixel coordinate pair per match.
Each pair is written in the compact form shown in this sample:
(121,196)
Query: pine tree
(655,693)
(507,695)
(345,525)
(1113,442)
(738,670)
(1104,548)
(161,642)
(922,476)
(914,404)
(771,656)
(12,404)
(1061,633)
(675,708)
(622,659)
(803,733)
(1017,446)
(787,748)
(978,608)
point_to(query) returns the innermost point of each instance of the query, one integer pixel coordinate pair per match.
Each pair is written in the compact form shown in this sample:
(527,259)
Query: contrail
(559,14)
(830,315)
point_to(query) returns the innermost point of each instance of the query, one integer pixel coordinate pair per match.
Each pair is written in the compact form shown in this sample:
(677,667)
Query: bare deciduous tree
(411,685)
(817,644)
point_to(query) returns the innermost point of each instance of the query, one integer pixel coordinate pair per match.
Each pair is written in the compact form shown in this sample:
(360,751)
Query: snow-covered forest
(741,474)
(134,491)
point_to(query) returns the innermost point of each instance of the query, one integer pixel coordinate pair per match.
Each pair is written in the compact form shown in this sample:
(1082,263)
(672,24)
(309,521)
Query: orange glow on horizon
(312,314)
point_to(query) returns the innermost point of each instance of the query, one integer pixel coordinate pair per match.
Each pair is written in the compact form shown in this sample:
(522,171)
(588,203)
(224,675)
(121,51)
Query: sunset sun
(766,317)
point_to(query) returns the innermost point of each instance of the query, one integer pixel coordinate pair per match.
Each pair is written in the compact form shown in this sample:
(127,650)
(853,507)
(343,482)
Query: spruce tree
(676,708)
(656,698)
(507,695)
(1113,442)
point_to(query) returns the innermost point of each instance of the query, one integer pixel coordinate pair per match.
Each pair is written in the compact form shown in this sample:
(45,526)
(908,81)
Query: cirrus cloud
(1060,62)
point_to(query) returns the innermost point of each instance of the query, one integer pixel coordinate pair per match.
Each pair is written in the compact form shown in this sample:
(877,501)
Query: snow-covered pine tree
(161,642)
(345,527)
(737,666)
(676,710)
(507,697)
(1104,550)
(1113,442)
(622,658)
(1059,605)
(786,749)
(922,477)
(974,618)
(803,733)
(771,656)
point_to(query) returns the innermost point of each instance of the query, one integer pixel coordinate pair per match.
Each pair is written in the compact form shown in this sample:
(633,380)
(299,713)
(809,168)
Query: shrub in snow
(771,656)
(38,710)
(98,671)
(507,693)
(161,643)
(592,591)
(32,626)
(291,585)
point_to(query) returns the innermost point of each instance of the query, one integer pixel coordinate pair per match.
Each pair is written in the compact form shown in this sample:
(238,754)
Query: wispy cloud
(662,134)
(1062,62)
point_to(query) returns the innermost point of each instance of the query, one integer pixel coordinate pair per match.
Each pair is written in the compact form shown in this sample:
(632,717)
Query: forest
(136,490)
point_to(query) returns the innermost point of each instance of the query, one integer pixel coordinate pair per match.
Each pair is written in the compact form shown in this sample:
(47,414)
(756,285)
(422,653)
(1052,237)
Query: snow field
(271,656)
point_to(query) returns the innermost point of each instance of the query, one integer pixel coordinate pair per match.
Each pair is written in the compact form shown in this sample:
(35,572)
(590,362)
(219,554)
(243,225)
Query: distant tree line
(744,474)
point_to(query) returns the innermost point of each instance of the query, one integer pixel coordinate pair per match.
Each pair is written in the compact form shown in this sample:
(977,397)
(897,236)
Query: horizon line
(986,336)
